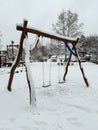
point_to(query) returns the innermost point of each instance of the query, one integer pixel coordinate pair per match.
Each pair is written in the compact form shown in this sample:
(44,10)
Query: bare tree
(67,24)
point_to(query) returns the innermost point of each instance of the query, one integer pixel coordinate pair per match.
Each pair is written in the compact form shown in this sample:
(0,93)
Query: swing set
(25,30)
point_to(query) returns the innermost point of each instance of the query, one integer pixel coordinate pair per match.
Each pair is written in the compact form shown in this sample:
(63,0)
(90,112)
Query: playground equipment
(3,58)
(25,30)
(7,56)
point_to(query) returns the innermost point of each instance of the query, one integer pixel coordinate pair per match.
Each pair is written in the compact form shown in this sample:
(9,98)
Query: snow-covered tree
(67,24)
(89,44)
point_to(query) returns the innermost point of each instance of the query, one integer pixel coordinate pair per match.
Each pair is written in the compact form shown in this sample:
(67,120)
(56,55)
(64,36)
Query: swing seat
(45,86)
(61,82)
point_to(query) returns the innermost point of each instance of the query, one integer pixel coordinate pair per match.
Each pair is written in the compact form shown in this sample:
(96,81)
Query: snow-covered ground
(68,106)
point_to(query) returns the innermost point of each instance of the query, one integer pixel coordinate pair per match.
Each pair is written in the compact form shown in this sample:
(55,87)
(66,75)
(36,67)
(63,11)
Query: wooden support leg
(17,60)
(85,79)
(28,84)
(66,69)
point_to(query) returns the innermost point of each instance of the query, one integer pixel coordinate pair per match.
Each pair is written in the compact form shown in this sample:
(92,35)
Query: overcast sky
(42,13)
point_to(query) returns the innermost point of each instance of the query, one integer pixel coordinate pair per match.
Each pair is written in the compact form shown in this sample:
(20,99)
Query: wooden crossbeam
(48,35)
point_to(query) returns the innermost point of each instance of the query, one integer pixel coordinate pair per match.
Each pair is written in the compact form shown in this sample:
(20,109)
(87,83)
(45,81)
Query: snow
(29,74)
(68,106)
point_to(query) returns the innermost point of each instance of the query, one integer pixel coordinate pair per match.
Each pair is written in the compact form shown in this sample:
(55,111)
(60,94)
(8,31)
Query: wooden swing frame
(24,29)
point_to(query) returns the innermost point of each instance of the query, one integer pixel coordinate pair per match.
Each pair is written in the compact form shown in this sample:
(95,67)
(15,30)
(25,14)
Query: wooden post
(28,85)
(18,56)
(82,71)
(66,69)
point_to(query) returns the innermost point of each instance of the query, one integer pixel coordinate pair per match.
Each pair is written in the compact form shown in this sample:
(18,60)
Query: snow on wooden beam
(48,35)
